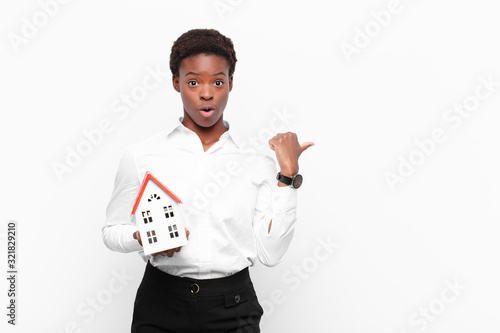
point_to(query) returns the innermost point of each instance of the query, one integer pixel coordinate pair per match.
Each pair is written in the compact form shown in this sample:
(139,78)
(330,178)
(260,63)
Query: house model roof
(147,177)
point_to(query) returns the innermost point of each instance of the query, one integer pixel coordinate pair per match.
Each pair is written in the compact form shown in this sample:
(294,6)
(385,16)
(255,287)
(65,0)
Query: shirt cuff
(129,241)
(284,199)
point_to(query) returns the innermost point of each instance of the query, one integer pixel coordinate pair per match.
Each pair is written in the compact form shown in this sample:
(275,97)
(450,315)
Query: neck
(207,135)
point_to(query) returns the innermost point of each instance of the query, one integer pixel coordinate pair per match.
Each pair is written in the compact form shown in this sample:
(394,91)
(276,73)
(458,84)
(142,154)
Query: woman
(237,210)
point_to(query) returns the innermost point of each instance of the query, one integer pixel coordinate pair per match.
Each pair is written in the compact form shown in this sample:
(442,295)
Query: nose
(206,92)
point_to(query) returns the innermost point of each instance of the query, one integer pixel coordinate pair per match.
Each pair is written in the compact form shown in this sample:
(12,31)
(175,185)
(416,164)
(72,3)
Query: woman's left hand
(288,150)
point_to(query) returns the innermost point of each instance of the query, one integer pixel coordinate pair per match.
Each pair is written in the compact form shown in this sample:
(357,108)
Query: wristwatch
(294,181)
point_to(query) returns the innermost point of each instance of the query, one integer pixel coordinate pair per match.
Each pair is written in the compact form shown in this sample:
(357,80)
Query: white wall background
(396,251)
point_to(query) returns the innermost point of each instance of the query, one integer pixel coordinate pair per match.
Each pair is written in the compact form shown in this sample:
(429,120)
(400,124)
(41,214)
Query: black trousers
(167,303)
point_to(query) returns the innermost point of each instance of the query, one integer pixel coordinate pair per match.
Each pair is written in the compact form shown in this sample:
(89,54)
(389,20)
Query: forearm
(276,233)
(272,251)
(119,237)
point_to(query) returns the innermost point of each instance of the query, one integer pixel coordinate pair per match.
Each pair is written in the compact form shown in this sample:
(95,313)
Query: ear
(231,83)
(176,83)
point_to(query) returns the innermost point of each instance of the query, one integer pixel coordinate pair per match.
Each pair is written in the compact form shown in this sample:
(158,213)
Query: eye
(192,83)
(219,83)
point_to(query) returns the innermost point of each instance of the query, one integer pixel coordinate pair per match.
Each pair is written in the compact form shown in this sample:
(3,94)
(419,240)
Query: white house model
(158,216)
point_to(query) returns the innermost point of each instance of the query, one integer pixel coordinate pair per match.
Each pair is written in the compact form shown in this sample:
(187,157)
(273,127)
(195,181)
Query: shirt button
(237,298)
(194,288)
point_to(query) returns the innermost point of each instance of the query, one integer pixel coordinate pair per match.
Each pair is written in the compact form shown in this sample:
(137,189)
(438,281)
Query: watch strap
(284,179)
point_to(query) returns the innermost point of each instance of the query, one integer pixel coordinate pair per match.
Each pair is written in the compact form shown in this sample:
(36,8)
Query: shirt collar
(228,134)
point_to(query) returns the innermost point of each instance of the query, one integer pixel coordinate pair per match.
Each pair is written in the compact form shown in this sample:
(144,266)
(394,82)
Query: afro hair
(202,41)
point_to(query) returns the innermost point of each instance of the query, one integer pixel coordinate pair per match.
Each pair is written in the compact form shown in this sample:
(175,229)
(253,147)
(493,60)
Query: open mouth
(207,111)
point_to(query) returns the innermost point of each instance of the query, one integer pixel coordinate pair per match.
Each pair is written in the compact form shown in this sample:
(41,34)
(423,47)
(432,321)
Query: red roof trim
(149,176)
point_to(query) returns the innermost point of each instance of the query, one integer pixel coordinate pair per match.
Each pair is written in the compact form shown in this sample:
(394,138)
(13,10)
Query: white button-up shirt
(229,194)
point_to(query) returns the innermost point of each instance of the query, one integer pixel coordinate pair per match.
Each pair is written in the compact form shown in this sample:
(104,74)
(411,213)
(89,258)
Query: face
(204,84)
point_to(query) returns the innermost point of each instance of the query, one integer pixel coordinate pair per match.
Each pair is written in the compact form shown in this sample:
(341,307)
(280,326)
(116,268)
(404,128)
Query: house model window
(173,231)
(169,212)
(160,219)
(154,197)
(152,236)
(147,217)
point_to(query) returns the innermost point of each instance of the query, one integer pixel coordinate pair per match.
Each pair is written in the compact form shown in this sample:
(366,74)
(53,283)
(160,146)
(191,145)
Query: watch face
(297,181)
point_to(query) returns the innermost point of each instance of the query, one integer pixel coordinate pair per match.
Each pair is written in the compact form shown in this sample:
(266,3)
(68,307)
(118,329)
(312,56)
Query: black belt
(169,283)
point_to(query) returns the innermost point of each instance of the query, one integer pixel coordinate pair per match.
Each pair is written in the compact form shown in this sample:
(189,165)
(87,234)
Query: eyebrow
(199,73)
